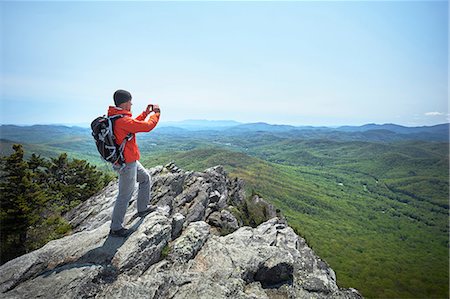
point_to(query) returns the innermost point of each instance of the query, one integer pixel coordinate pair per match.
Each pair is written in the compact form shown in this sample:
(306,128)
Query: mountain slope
(369,231)
(179,251)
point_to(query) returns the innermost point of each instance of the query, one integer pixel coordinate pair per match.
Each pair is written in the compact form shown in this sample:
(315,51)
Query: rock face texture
(193,246)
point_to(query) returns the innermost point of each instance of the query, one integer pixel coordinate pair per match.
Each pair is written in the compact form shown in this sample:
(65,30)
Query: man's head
(122,99)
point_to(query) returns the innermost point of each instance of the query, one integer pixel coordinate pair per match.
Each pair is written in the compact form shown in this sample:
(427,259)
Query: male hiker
(132,170)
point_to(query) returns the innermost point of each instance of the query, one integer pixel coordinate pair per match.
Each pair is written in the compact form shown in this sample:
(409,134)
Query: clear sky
(300,63)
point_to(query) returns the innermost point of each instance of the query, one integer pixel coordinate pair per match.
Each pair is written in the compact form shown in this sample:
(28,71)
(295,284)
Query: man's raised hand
(156,108)
(153,108)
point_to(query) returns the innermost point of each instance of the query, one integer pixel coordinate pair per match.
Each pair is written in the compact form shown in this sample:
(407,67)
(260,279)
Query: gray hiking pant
(128,176)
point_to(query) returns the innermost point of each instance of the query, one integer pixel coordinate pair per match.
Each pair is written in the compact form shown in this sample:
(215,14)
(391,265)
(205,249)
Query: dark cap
(121,96)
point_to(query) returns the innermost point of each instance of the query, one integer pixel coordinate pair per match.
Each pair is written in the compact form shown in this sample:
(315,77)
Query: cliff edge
(195,245)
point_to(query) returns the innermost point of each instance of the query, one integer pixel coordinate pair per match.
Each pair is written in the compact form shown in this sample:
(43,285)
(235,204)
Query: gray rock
(197,209)
(222,203)
(190,242)
(224,220)
(172,252)
(269,209)
(275,271)
(56,283)
(254,290)
(214,196)
(143,248)
(186,197)
(228,220)
(236,193)
(55,253)
(214,219)
(95,211)
(177,225)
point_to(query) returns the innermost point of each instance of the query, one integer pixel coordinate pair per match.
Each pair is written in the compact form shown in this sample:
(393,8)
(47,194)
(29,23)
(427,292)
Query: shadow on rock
(104,254)
(100,256)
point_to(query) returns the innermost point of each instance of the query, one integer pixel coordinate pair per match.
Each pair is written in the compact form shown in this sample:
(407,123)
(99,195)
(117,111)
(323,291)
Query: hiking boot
(147,211)
(123,232)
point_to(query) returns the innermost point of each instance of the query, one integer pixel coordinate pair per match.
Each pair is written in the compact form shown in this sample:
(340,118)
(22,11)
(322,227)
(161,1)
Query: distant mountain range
(262,126)
(198,124)
(396,128)
(374,132)
(208,128)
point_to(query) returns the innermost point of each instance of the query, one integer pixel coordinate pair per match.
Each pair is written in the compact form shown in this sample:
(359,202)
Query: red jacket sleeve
(142,116)
(135,125)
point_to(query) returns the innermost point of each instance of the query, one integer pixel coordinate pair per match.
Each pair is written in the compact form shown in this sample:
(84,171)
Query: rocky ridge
(193,246)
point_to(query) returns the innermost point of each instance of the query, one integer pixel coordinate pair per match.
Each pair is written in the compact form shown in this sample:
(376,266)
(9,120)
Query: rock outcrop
(193,246)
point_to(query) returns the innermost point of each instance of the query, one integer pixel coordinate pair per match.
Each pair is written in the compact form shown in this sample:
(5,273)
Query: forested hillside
(35,193)
(379,230)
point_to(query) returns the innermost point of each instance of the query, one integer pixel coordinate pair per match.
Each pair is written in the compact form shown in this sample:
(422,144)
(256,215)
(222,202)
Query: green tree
(72,182)
(36,193)
(40,168)
(21,202)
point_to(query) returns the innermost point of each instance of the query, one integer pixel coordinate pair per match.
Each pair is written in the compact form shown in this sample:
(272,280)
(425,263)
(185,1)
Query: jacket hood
(113,110)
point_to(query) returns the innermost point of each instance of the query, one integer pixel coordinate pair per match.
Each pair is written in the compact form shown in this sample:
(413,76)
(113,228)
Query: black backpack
(103,132)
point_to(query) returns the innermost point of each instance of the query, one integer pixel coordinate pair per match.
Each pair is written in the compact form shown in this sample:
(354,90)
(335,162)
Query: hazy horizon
(294,63)
(168,123)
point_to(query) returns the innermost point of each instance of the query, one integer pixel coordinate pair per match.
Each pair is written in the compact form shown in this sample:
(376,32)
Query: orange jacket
(127,124)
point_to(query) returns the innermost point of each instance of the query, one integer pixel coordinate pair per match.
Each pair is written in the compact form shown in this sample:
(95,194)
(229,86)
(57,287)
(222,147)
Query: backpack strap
(129,136)
(110,132)
(122,146)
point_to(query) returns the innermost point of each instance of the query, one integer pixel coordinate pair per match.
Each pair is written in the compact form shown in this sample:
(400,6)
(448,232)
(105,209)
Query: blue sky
(300,63)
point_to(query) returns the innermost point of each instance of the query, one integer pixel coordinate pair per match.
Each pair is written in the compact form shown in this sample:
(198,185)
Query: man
(132,171)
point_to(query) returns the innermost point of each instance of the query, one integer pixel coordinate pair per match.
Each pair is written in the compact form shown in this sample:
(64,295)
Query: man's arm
(154,119)
(135,125)
(150,108)
(143,115)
